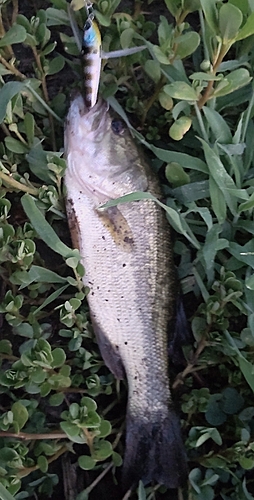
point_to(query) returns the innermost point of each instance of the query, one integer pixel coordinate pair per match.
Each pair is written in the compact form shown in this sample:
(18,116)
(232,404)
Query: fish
(127,254)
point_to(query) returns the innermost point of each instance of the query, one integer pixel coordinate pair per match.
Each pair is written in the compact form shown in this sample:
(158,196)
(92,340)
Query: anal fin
(109,352)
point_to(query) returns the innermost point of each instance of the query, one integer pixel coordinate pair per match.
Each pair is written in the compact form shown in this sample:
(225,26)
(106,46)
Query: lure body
(92,61)
(90,46)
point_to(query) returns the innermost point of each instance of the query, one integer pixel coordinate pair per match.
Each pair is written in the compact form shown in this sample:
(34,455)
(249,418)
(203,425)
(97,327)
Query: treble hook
(89,10)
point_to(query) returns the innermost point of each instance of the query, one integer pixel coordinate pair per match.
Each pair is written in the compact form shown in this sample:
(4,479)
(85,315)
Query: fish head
(101,152)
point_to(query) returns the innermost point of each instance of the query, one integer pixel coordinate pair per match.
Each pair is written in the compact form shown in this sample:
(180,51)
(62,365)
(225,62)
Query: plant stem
(204,98)
(46,96)
(12,68)
(18,185)
(32,437)
(15,11)
(99,478)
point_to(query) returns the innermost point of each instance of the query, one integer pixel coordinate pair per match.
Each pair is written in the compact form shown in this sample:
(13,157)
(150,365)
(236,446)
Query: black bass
(127,256)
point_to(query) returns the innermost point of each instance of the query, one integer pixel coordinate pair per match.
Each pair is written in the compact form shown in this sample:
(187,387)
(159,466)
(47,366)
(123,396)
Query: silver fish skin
(127,256)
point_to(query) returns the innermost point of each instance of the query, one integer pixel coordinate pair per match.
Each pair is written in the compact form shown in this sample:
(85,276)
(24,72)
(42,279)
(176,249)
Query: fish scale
(126,252)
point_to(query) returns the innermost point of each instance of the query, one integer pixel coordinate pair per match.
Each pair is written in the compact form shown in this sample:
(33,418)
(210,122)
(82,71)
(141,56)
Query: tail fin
(154,451)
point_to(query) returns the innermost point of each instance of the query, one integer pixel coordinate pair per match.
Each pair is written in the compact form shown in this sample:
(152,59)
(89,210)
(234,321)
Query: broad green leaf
(180,127)
(173,6)
(220,176)
(247,29)
(16,34)
(191,5)
(230,20)
(7,92)
(56,17)
(152,68)
(243,5)
(246,367)
(86,463)
(233,81)
(176,175)
(43,228)
(218,125)
(15,146)
(4,494)
(205,76)
(218,201)
(181,90)
(211,14)
(20,414)
(160,56)
(186,44)
(56,65)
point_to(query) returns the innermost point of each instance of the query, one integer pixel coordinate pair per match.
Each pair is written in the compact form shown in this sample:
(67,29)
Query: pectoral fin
(114,221)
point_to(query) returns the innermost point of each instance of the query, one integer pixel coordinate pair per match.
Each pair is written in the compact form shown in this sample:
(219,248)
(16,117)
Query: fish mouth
(95,118)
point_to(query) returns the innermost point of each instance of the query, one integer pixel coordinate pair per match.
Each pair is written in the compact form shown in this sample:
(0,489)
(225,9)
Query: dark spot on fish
(128,240)
(90,282)
(118,319)
(117,346)
(117,127)
(126,343)
(124,265)
(106,300)
(98,288)
(92,293)
(135,378)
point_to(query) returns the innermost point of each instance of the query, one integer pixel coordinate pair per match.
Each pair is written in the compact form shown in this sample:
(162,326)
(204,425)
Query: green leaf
(218,125)
(42,463)
(246,367)
(187,44)
(86,463)
(181,90)
(56,65)
(211,14)
(234,80)
(7,92)
(16,34)
(15,146)
(152,68)
(176,175)
(230,20)
(4,494)
(20,414)
(141,491)
(247,29)
(43,228)
(56,399)
(59,357)
(173,6)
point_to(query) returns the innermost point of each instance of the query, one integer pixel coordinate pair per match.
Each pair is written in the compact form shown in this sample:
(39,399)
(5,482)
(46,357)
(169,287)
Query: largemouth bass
(127,256)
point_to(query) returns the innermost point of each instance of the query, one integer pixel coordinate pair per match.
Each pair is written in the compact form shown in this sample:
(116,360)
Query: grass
(188,99)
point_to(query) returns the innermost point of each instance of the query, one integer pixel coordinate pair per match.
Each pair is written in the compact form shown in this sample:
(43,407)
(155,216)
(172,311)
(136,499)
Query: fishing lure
(90,48)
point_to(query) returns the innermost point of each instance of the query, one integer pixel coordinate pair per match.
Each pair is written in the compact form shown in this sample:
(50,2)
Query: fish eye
(117,127)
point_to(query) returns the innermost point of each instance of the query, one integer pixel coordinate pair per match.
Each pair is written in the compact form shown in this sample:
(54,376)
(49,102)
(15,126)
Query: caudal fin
(154,451)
